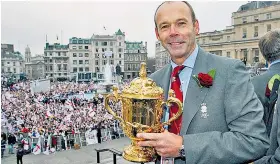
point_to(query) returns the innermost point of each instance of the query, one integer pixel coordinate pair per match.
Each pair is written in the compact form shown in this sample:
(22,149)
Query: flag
(91,113)
(108,116)
(37,149)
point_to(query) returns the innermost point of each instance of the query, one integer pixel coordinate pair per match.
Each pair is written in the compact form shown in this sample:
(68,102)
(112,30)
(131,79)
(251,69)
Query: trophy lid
(142,87)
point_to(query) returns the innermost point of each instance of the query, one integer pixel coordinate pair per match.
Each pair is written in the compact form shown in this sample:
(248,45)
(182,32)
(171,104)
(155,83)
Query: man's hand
(166,144)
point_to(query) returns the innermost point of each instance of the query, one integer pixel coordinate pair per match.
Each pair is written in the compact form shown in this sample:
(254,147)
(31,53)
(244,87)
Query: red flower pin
(205,79)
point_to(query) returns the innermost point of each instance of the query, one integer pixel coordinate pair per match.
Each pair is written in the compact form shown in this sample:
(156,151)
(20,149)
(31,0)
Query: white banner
(91,137)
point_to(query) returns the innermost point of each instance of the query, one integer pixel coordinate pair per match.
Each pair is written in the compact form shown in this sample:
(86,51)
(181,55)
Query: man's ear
(156,31)
(196,26)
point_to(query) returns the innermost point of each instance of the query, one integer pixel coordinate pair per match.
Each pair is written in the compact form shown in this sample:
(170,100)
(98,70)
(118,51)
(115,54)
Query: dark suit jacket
(234,131)
(273,153)
(260,83)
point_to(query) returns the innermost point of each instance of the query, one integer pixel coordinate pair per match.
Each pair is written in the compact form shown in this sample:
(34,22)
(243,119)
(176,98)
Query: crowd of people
(63,109)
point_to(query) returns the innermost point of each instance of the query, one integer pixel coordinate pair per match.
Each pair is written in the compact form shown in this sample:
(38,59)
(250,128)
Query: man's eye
(182,23)
(164,27)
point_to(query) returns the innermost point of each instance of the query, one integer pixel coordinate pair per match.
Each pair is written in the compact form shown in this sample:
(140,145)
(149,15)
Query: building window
(111,49)
(74,47)
(268,16)
(104,43)
(112,62)
(86,47)
(244,34)
(80,55)
(268,27)
(74,69)
(104,49)
(256,58)
(86,69)
(120,62)
(111,43)
(51,61)
(50,54)
(256,18)
(80,61)
(244,20)
(74,54)
(104,62)
(15,70)
(51,68)
(97,69)
(256,31)
(74,62)
(96,55)
(96,50)
(120,43)
(14,63)
(86,61)
(96,43)
(228,54)
(80,47)
(8,63)
(58,54)
(120,50)
(86,54)
(96,62)
(81,69)
(228,38)
(120,55)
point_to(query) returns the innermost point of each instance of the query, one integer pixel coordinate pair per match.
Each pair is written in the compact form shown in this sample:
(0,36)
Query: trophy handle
(115,97)
(172,99)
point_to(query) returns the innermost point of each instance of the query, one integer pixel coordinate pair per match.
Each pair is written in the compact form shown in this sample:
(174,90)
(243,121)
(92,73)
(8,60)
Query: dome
(27,50)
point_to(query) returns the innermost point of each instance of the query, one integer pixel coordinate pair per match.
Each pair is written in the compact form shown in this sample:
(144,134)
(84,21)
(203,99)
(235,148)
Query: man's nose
(173,30)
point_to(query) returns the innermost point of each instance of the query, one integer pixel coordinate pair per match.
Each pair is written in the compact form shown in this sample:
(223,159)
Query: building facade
(113,46)
(7,48)
(12,64)
(240,41)
(34,65)
(162,56)
(134,54)
(56,59)
(80,59)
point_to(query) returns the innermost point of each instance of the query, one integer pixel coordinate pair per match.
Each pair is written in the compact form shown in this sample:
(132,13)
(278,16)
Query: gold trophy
(142,108)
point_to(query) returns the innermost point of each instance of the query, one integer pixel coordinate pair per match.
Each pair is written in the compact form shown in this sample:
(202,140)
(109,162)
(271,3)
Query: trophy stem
(135,153)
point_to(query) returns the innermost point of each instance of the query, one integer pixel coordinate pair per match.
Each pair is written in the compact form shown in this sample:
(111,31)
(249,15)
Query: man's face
(175,29)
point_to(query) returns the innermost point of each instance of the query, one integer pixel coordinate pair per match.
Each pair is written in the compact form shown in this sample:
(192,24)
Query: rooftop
(55,46)
(256,5)
(134,45)
(12,55)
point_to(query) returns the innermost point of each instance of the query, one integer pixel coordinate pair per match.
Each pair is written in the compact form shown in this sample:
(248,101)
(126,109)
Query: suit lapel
(195,95)
(165,80)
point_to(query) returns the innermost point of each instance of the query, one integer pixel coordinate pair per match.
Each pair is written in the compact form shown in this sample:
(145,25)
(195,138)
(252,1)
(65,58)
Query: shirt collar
(189,62)
(274,62)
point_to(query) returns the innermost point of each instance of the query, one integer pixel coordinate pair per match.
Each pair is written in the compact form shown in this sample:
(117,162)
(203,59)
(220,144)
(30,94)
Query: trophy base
(139,154)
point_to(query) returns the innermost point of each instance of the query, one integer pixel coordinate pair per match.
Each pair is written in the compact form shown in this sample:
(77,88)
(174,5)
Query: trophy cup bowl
(142,108)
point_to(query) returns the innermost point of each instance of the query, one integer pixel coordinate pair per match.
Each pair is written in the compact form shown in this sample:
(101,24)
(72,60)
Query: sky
(29,22)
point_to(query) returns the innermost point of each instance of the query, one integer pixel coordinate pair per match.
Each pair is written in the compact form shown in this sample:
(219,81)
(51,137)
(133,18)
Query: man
(269,45)
(220,124)
(273,153)
(11,141)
